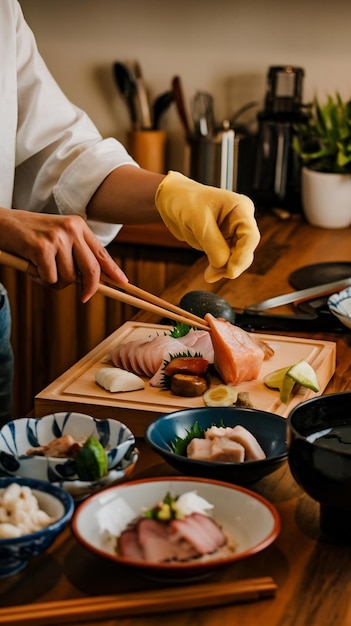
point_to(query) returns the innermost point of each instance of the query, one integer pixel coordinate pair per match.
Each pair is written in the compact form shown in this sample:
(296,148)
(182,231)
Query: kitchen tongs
(136,296)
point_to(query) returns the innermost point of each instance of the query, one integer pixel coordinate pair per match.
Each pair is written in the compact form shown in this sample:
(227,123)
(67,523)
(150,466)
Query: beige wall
(222,46)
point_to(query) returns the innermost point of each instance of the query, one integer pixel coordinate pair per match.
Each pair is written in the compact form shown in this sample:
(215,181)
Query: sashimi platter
(155,369)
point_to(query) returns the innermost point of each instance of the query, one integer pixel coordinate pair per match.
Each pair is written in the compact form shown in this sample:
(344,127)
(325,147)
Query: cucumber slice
(285,379)
(275,379)
(304,374)
(91,460)
(286,389)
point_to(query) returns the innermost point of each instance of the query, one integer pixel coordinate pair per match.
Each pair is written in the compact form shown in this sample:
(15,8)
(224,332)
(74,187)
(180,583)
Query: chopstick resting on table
(136,297)
(139,602)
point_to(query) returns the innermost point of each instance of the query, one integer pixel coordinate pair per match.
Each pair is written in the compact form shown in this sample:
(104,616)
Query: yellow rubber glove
(219,222)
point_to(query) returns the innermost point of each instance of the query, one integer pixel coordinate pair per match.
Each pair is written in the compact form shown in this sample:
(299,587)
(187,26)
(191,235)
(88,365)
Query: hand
(63,249)
(219,222)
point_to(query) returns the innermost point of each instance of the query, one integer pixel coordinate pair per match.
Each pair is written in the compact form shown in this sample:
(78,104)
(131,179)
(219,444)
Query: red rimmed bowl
(250,520)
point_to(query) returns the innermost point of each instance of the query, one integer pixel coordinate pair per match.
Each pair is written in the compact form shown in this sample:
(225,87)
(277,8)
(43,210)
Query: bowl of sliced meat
(175,528)
(235,444)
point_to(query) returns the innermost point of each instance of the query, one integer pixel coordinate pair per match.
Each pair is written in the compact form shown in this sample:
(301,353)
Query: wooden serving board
(76,389)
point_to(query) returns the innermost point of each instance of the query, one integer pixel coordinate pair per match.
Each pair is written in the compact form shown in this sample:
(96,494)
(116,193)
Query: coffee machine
(276,179)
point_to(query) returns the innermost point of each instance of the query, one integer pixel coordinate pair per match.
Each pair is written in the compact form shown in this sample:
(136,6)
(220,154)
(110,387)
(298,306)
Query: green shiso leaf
(166,380)
(180,444)
(180,330)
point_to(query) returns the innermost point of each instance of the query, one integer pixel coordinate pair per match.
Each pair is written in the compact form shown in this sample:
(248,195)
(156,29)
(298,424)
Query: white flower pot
(326,199)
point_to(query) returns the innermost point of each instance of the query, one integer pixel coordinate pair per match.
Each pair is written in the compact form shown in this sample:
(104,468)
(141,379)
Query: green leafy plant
(323,142)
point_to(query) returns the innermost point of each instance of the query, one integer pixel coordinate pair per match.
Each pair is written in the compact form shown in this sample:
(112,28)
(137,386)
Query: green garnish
(180,330)
(180,444)
(164,510)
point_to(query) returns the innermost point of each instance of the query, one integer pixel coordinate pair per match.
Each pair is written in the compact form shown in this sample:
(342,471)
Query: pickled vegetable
(91,460)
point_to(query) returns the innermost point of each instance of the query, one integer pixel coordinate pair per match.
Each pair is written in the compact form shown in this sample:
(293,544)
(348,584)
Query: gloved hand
(219,222)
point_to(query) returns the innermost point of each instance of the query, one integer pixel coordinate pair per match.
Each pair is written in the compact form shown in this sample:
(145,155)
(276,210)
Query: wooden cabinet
(51,329)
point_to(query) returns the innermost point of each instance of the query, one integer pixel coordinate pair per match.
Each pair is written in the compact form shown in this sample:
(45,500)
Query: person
(65,191)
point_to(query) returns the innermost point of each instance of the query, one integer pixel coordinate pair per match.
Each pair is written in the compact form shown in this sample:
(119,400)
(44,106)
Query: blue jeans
(6,359)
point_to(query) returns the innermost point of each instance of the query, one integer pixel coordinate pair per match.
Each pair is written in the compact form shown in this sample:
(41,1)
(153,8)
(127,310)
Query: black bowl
(268,428)
(319,454)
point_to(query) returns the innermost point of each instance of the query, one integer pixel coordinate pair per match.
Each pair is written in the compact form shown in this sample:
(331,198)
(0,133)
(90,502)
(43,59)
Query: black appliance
(276,179)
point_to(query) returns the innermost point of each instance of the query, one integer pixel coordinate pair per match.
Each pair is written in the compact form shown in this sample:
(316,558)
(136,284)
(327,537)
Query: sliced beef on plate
(128,545)
(200,531)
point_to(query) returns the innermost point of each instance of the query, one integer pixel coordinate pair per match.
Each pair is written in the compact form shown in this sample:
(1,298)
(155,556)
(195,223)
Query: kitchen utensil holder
(147,147)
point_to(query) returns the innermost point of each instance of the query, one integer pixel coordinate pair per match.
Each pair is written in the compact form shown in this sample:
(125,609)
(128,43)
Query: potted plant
(323,144)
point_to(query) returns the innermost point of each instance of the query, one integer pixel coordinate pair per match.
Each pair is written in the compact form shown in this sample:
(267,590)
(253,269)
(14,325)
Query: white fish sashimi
(115,380)
(147,357)
(200,341)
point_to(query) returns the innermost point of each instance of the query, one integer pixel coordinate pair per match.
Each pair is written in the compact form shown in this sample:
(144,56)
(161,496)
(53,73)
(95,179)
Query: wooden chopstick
(115,294)
(139,298)
(139,602)
(199,322)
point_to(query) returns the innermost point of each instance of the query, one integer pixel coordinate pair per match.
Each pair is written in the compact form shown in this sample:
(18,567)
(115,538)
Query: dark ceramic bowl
(268,428)
(319,454)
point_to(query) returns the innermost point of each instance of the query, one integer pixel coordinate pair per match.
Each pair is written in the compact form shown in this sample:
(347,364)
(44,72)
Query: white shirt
(52,157)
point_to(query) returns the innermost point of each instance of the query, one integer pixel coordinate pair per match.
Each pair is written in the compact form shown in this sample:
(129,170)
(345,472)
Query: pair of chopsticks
(139,603)
(135,296)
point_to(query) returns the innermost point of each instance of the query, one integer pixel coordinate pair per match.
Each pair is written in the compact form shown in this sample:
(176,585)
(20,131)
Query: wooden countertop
(311,571)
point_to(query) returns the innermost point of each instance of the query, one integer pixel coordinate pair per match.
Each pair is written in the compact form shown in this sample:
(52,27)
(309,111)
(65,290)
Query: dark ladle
(202,302)
(126,84)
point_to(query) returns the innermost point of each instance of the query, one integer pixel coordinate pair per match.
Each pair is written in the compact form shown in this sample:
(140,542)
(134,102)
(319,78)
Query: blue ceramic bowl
(18,436)
(16,552)
(268,428)
(340,305)
(319,454)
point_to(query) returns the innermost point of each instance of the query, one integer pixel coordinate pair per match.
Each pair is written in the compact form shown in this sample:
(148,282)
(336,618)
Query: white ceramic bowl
(340,305)
(248,518)
(18,436)
(16,552)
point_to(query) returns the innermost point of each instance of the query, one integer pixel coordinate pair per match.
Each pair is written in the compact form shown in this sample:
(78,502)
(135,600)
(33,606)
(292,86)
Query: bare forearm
(126,196)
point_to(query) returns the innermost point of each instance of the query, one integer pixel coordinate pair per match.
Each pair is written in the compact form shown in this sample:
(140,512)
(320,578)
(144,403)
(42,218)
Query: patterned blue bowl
(16,552)
(340,305)
(18,436)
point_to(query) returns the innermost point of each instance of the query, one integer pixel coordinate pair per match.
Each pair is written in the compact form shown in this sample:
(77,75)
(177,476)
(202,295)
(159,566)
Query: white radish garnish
(115,379)
(189,502)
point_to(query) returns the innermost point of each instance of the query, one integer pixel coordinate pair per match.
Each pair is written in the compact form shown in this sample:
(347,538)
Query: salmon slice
(237,357)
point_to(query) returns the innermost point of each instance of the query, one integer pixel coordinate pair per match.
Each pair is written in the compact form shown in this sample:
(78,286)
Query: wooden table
(312,572)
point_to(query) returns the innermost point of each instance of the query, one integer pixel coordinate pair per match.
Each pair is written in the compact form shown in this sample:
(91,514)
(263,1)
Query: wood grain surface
(311,571)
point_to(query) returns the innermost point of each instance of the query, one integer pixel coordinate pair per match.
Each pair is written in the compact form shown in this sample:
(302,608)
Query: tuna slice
(237,357)
(240,435)
(177,540)
(199,531)
(218,449)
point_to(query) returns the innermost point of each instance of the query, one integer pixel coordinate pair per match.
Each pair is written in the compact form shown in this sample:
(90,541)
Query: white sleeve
(61,158)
